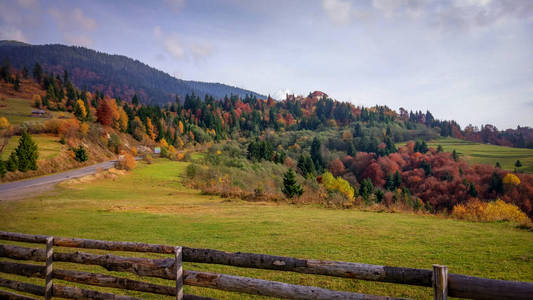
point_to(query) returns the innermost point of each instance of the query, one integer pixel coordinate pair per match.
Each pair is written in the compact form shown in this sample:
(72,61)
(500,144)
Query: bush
(148,159)
(191,171)
(80,154)
(475,210)
(3,169)
(127,162)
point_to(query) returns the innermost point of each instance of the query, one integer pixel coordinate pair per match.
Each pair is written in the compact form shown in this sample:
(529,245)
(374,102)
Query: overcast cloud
(468,60)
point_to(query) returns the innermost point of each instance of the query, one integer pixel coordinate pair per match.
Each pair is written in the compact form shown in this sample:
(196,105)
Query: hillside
(115,75)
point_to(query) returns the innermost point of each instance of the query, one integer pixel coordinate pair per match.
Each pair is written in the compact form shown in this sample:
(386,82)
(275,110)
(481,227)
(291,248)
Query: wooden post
(440,282)
(179,274)
(48,273)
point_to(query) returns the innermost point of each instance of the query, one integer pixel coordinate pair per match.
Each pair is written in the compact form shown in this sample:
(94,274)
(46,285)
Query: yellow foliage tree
(150,128)
(347,135)
(180,125)
(79,110)
(4,123)
(122,119)
(163,143)
(84,128)
(180,142)
(337,184)
(511,179)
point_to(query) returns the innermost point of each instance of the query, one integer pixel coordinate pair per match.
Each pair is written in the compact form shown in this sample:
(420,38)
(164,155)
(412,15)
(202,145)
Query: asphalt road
(23,188)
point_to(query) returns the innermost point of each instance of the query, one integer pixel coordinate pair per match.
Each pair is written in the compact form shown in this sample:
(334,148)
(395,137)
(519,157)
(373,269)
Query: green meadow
(488,154)
(48,146)
(18,111)
(151,205)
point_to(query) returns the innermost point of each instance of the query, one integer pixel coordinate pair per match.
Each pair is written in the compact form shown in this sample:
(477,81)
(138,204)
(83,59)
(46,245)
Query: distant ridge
(115,75)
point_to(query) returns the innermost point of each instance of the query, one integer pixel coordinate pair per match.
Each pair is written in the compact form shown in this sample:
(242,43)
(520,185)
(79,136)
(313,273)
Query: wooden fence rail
(444,284)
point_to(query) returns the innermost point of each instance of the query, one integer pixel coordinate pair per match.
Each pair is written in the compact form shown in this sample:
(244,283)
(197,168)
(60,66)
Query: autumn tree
(4,123)
(79,110)
(290,187)
(122,119)
(27,153)
(106,112)
(150,130)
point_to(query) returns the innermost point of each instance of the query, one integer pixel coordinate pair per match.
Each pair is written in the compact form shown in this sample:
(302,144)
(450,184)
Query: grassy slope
(150,205)
(48,146)
(18,111)
(488,154)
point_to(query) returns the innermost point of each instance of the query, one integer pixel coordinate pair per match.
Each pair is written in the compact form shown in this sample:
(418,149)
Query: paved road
(22,188)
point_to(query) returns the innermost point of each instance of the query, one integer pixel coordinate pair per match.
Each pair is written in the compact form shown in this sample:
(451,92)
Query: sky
(467,60)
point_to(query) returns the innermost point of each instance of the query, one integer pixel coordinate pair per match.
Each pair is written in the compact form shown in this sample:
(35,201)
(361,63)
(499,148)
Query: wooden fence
(444,284)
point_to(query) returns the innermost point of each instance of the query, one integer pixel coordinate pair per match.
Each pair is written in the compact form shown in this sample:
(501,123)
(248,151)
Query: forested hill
(115,75)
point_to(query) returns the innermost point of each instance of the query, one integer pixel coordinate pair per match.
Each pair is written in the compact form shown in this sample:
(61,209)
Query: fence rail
(443,283)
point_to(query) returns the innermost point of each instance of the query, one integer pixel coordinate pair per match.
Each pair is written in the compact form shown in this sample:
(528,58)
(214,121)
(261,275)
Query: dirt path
(24,188)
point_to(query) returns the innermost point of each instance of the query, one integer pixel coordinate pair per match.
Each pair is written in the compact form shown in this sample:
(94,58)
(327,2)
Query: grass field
(47,145)
(18,111)
(488,154)
(151,205)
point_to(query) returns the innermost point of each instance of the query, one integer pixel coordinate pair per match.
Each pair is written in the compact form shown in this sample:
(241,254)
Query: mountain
(115,75)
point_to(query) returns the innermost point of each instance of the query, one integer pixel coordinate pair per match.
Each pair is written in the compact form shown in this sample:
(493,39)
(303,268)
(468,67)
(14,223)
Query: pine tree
(12,162)
(439,148)
(290,187)
(517,165)
(3,169)
(498,165)
(316,156)
(37,72)
(454,155)
(81,154)
(16,83)
(27,153)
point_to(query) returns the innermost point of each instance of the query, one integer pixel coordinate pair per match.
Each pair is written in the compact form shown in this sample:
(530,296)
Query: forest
(307,149)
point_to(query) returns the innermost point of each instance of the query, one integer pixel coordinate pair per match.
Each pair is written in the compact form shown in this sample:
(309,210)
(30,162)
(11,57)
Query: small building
(38,113)
(157,150)
(317,95)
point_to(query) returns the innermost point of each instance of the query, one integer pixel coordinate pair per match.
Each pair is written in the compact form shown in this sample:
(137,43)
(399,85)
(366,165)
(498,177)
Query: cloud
(29,4)
(174,46)
(338,11)
(78,40)
(282,94)
(175,5)
(12,33)
(452,14)
(73,20)
(200,51)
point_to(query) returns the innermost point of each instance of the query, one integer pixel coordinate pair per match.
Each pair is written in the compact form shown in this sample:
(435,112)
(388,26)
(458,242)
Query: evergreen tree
(37,72)
(351,149)
(27,153)
(16,83)
(12,162)
(455,156)
(517,165)
(306,166)
(367,188)
(316,156)
(472,191)
(498,165)
(397,179)
(25,73)
(3,169)
(81,154)
(439,148)
(290,187)
(496,183)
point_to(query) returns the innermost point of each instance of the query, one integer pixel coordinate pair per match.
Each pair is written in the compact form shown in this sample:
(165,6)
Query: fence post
(440,282)
(179,274)
(48,288)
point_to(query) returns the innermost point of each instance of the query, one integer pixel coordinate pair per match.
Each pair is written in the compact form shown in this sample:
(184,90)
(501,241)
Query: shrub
(290,187)
(148,159)
(80,154)
(191,171)
(127,162)
(4,123)
(475,210)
